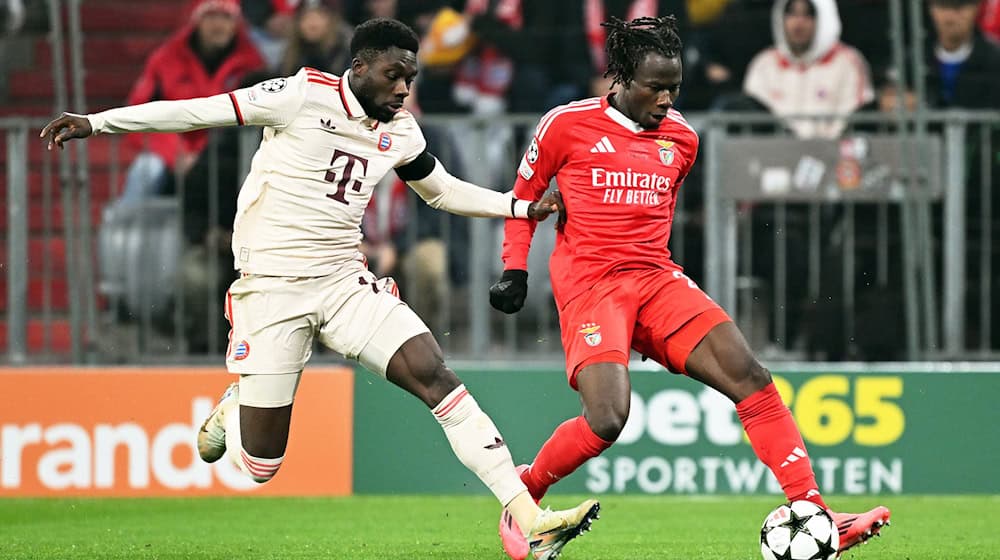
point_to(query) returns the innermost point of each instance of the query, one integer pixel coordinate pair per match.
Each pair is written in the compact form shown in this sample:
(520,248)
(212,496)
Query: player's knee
(430,380)
(743,368)
(419,368)
(440,381)
(609,422)
(757,375)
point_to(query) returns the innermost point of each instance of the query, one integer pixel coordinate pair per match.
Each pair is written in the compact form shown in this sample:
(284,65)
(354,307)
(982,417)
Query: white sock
(234,445)
(477,444)
(260,469)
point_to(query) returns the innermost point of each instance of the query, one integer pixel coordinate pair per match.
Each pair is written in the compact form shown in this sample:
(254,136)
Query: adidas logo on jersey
(603,146)
(327,125)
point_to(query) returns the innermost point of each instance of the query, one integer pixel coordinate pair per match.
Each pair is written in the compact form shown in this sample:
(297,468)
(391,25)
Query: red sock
(570,446)
(778,444)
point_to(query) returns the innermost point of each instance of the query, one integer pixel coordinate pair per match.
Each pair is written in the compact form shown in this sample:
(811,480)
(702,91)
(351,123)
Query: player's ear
(358,66)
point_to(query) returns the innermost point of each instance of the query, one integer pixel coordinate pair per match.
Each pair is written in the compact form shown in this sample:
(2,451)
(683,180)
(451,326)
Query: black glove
(508,293)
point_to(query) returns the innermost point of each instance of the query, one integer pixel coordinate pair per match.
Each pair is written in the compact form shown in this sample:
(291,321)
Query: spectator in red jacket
(989,20)
(208,56)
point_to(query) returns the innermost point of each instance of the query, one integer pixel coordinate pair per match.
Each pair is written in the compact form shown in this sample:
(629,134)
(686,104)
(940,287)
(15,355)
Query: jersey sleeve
(415,143)
(165,116)
(695,143)
(540,163)
(273,103)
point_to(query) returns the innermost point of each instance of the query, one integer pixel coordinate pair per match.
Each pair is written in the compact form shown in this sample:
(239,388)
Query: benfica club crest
(591,333)
(666,152)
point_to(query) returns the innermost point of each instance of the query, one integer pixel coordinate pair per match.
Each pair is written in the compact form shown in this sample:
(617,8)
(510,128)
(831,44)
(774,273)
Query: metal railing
(782,255)
(923,172)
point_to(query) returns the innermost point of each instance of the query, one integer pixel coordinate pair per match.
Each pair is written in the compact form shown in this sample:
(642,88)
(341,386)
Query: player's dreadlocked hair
(629,41)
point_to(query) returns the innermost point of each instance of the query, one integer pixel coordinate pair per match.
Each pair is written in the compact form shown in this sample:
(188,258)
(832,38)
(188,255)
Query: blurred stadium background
(857,250)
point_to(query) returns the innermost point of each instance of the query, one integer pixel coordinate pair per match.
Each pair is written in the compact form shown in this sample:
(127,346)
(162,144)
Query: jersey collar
(351,103)
(618,116)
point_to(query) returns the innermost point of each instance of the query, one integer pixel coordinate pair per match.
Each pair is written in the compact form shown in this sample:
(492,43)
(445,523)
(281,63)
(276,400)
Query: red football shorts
(662,314)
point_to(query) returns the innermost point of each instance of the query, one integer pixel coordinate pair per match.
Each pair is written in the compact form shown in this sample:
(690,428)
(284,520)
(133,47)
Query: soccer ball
(800,531)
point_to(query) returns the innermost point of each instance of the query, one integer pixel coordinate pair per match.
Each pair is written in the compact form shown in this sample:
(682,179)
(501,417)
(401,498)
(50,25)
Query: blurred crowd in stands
(490,57)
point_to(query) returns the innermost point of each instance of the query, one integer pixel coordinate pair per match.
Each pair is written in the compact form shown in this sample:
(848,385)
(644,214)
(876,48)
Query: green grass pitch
(411,527)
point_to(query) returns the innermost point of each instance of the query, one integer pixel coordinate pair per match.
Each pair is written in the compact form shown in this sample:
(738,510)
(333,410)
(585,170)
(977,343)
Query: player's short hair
(381,34)
(630,41)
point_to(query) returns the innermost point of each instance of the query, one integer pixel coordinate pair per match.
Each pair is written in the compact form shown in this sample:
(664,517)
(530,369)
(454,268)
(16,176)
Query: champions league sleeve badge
(532,153)
(274,86)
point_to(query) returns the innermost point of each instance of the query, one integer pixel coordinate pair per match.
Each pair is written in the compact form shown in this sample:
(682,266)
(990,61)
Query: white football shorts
(275,319)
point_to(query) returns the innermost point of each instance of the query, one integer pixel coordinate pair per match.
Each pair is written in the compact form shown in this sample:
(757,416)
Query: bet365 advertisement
(867,432)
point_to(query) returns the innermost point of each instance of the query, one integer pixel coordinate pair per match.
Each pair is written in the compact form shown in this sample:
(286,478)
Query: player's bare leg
(261,439)
(723,361)
(253,437)
(605,393)
(418,367)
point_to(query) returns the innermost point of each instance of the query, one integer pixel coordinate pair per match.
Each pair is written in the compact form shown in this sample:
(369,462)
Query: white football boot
(553,529)
(212,435)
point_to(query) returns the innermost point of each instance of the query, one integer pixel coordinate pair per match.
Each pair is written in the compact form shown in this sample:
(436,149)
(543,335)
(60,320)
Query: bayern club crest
(384,142)
(591,333)
(241,351)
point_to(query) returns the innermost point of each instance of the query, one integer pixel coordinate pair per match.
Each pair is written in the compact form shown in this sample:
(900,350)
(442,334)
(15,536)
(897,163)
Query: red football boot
(857,528)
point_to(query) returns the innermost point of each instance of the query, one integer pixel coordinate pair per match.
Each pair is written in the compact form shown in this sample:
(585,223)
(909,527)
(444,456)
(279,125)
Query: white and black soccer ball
(799,531)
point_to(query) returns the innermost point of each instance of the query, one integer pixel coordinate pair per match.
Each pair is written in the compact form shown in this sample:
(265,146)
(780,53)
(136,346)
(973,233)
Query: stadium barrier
(870,429)
(130,432)
(875,245)
(819,249)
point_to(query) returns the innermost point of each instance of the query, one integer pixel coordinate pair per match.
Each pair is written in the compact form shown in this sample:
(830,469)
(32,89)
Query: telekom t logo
(331,175)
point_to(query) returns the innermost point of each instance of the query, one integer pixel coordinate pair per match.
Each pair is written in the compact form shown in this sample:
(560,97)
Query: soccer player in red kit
(619,162)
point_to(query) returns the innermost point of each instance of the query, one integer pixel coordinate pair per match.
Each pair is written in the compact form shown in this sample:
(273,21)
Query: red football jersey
(619,183)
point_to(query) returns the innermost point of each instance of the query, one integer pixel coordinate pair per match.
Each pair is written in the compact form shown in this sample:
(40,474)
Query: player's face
(655,86)
(382,83)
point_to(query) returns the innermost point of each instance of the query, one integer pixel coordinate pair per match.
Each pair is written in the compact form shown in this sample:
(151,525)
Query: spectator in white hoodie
(809,71)
(11,16)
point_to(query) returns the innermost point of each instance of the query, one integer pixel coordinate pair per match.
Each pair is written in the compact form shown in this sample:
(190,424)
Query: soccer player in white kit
(327,141)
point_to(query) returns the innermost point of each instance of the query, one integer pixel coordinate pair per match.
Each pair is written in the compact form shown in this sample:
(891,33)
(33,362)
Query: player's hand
(551,203)
(508,293)
(66,128)
(557,197)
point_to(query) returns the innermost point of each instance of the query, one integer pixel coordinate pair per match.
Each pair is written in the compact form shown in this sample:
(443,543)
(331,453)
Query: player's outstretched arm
(441,190)
(509,292)
(66,127)
(157,116)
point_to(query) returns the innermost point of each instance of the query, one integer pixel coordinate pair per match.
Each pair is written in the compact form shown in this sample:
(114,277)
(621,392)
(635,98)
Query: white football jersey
(300,209)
